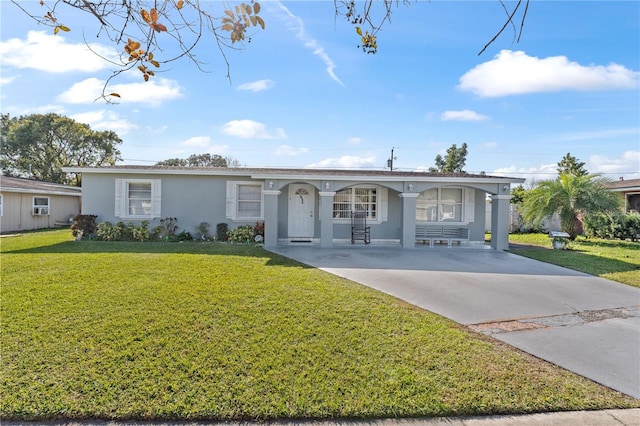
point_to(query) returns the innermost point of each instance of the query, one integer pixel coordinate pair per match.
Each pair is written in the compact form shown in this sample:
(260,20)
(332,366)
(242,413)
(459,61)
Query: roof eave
(278,174)
(41,191)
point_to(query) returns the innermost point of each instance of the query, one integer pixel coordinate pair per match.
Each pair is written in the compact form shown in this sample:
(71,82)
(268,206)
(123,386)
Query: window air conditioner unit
(40,211)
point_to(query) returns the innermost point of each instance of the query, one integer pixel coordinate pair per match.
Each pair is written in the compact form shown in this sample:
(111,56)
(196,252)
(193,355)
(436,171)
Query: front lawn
(611,259)
(218,331)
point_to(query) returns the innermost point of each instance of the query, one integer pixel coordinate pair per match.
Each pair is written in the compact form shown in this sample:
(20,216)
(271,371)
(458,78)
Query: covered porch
(405,209)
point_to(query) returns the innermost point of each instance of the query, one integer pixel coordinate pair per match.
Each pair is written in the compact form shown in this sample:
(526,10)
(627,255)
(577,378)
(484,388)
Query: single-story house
(31,204)
(629,190)
(302,205)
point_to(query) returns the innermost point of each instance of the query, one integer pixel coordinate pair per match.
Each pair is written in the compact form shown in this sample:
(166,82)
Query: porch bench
(427,233)
(455,234)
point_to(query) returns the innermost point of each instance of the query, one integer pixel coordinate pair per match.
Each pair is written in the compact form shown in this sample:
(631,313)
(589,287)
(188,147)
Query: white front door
(301,210)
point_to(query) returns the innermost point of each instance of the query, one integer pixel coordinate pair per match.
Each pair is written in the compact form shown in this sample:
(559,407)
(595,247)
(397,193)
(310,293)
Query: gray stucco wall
(190,199)
(202,198)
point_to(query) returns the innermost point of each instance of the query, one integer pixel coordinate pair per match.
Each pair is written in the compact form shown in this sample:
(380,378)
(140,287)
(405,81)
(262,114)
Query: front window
(440,205)
(139,198)
(249,201)
(245,200)
(356,199)
(40,206)
(633,203)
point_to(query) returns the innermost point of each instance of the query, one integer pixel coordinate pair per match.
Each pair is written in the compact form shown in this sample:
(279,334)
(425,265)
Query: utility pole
(390,160)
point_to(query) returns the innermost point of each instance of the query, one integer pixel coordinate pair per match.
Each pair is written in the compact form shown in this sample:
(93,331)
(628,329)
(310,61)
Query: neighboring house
(30,204)
(301,205)
(629,190)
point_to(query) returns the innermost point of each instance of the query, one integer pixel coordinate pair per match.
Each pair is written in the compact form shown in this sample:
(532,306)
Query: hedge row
(85,227)
(613,226)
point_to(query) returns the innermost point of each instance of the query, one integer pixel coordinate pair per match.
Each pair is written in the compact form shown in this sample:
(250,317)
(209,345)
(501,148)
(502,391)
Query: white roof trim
(253,174)
(40,191)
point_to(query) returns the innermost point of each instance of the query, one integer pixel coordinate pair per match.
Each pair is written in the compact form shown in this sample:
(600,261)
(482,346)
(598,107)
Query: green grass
(203,331)
(611,259)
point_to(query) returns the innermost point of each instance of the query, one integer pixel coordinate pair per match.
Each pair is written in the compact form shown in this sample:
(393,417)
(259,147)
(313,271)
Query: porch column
(500,222)
(408,237)
(326,218)
(271,217)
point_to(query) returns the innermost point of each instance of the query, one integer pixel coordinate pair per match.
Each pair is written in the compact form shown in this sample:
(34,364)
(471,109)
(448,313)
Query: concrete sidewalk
(583,323)
(569,418)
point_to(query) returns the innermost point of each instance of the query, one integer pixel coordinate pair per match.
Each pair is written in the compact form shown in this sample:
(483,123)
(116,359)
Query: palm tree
(571,197)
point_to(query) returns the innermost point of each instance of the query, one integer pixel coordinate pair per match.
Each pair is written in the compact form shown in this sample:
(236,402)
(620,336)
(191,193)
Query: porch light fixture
(327,185)
(270,184)
(505,188)
(410,186)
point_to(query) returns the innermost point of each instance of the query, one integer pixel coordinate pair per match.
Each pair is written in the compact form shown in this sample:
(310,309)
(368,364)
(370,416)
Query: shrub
(157,232)
(170,225)
(126,231)
(108,232)
(242,234)
(619,226)
(84,225)
(141,232)
(222,231)
(202,231)
(184,236)
(123,232)
(258,229)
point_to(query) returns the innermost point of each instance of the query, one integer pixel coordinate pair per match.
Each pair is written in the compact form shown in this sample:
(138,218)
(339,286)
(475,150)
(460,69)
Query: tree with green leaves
(38,146)
(572,166)
(200,160)
(452,162)
(571,197)
(518,194)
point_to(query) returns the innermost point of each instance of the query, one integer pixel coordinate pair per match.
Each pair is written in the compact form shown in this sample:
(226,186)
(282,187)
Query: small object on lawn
(559,239)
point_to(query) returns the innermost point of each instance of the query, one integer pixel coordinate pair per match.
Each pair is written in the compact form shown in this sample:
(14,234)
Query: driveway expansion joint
(562,320)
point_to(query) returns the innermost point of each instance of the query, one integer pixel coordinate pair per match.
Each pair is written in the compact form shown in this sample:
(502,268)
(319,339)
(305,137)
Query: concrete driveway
(583,323)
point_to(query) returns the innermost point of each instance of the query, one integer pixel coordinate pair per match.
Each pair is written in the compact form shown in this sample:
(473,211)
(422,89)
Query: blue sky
(303,95)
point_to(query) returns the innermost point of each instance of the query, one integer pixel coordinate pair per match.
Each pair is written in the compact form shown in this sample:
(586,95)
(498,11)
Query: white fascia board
(629,189)
(373,179)
(40,191)
(120,171)
(295,176)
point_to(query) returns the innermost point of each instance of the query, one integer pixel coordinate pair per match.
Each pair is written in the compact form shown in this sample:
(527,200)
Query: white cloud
(6,80)
(51,53)
(290,151)
(346,162)
(257,86)
(249,129)
(44,109)
(532,174)
(354,141)
(600,134)
(513,73)
(105,120)
(152,92)
(627,165)
(217,149)
(296,25)
(490,145)
(462,115)
(197,141)
(195,145)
